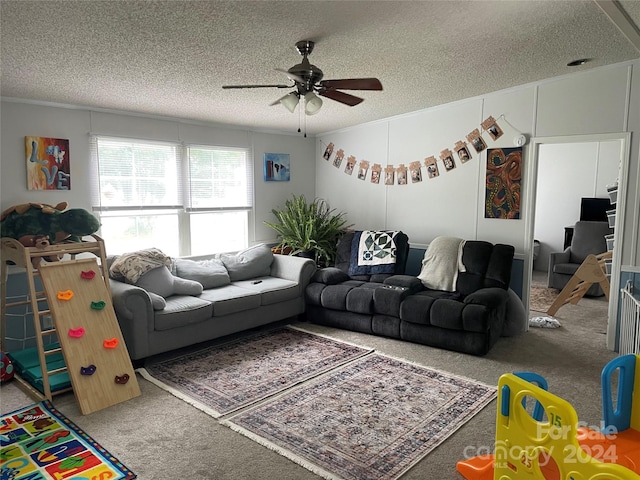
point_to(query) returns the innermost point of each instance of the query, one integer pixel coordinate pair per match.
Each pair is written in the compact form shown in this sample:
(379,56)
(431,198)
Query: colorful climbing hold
(76,332)
(90,370)
(66,295)
(87,275)
(99,305)
(122,379)
(110,343)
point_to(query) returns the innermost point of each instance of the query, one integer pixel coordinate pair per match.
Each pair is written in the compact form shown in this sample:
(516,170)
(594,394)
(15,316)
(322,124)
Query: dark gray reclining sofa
(469,320)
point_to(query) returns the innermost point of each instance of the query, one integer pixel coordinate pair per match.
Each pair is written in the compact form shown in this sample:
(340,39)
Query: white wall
(566,173)
(596,101)
(21,119)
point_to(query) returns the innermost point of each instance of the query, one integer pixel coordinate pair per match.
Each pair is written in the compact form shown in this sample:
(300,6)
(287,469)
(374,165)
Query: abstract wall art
(503,183)
(277,167)
(48,165)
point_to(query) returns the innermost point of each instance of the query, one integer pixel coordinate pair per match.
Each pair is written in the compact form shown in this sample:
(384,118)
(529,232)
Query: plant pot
(307,254)
(281,251)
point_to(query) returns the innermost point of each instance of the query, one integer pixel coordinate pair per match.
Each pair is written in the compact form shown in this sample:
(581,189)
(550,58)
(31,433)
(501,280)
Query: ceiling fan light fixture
(312,103)
(290,101)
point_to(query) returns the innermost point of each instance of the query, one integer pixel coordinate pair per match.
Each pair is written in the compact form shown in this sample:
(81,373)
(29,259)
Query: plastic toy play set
(538,435)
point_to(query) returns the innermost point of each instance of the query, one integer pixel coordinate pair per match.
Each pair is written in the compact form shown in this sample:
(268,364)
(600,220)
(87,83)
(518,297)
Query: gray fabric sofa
(248,299)
(469,319)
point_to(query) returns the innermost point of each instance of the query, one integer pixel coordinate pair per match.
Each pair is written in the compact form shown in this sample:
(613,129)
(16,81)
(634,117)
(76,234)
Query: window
(147,196)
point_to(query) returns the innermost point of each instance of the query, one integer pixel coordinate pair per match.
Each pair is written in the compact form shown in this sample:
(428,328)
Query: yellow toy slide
(549,443)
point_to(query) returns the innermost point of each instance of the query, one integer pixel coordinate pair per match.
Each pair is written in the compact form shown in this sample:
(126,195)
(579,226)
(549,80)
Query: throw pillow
(210,273)
(441,263)
(250,263)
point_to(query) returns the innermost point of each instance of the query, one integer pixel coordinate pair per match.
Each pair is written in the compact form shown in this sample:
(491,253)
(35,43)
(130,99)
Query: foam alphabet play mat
(39,443)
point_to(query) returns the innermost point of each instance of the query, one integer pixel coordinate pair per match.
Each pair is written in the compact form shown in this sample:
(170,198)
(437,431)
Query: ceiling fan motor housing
(309,73)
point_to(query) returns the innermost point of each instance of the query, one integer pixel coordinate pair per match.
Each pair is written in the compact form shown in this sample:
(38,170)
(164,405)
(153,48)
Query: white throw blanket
(441,263)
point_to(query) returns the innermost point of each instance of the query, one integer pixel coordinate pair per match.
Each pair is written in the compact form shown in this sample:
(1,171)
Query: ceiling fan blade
(341,97)
(295,78)
(353,84)
(279,85)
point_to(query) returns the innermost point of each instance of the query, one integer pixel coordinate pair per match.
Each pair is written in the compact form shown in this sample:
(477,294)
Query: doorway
(561,171)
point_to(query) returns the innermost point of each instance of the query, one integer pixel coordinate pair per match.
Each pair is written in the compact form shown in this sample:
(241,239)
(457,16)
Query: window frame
(184,209)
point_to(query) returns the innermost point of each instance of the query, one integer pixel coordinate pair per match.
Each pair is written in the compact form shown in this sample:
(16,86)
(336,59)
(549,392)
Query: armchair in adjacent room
(588,238)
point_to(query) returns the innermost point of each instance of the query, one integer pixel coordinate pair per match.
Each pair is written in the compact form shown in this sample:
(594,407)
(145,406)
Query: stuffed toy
(160,284)
(55,222)
(38,241)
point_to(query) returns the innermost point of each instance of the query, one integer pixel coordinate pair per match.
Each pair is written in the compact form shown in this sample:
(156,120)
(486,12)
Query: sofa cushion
(250,263)
(360,300)
(210,273)
(182,310)
(329,276)
(231,299)
(334,297)
(588,238)
(447,313)
(271,289)
(486,265)
(417,309)
(566,268)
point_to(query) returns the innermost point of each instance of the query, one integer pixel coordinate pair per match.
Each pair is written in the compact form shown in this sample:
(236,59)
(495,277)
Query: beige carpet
(161,437)
(541,298)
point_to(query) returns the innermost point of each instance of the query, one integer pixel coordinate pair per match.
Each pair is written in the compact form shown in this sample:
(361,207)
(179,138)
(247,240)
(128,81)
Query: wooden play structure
(592,270)
(77,296)
(538,435)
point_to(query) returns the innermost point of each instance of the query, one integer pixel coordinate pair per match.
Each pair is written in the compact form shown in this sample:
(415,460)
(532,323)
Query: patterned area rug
(541,298)
(373,418)
(38,442)
(223,378)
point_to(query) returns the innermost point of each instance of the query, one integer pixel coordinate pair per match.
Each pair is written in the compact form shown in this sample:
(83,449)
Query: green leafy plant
(309,227)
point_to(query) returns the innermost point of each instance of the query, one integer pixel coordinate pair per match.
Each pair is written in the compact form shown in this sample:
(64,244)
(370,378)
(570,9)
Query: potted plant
(309,229)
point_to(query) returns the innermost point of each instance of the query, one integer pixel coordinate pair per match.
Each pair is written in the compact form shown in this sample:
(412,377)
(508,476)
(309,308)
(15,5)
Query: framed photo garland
(375,173)
(416,172)
(432,167)
(447,159)
(503,168)
(492,127)
(402,174)
(362,171)
(477,141)
(462,151)
(389,175)
(328,151)
(277,167)
(338,158)
(351,163)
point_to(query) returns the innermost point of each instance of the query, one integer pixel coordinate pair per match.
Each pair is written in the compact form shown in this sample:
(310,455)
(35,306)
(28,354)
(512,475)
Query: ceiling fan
(307,80)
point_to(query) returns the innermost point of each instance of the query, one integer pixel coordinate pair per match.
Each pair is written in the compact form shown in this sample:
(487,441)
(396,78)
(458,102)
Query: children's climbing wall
(92,344)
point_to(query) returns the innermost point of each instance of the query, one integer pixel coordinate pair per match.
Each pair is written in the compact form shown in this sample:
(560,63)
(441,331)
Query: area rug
(541,298)
(373,418)
(40,443)
(223,378)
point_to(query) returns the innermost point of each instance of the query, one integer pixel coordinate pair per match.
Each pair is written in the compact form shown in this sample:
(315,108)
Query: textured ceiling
(172,57)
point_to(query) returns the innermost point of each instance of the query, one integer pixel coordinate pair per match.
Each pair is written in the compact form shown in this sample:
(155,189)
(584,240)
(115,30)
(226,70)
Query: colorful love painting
(48,166)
